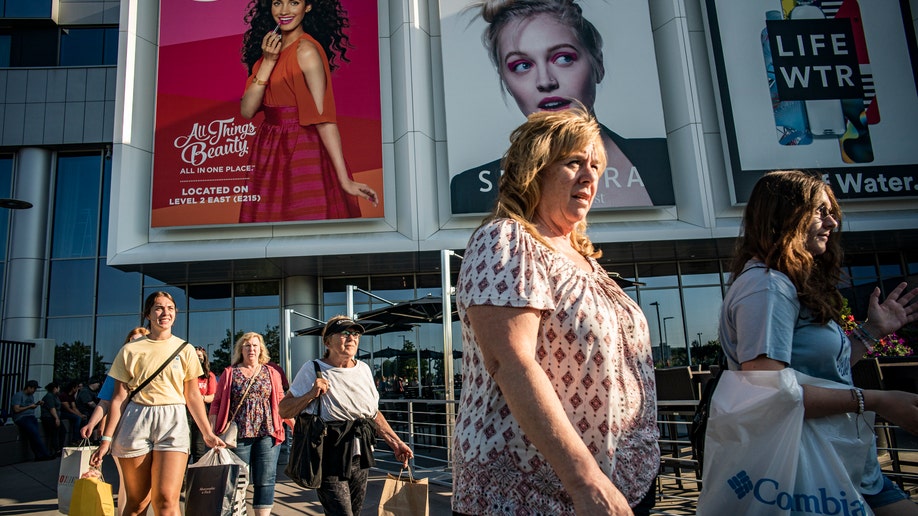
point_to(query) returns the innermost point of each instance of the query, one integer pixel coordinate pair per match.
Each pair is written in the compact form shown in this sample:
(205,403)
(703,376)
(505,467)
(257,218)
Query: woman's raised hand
(271,46)
(893,313)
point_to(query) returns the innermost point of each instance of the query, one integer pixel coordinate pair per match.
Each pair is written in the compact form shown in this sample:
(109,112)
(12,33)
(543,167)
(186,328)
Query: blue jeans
(261,455)
(28,428)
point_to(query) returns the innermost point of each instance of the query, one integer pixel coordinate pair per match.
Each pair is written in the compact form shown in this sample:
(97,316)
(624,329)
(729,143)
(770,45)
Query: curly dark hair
(326,23)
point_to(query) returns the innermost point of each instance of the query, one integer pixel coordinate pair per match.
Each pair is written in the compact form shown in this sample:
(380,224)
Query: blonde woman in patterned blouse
(256,413)
(558,400)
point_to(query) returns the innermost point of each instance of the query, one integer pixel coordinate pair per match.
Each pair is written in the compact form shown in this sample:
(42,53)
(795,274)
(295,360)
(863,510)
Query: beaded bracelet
(858,396)
(865,337)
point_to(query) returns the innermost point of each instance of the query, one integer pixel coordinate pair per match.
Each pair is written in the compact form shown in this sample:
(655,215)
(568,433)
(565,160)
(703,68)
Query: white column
(25,279)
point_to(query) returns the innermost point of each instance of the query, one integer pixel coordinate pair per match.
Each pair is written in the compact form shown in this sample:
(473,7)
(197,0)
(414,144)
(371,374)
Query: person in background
(23,407)
(86,398)
(284,455)
(549,57)
(350,409)
(152,443)
(299,171)
(207,384)
(559,402)
(248,394)
(69,412)
(783,304)
(51,418)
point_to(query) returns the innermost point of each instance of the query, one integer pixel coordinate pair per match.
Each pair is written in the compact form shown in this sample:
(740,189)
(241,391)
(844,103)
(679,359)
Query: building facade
(77,141)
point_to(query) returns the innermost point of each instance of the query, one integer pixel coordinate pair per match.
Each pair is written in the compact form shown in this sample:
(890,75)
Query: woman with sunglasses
(350,407)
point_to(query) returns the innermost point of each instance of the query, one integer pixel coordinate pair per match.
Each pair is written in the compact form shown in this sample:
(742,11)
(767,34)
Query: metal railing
(14,371)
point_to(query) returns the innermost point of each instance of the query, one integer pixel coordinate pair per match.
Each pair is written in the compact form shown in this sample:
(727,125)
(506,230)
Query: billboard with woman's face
(510,59)
(312,150)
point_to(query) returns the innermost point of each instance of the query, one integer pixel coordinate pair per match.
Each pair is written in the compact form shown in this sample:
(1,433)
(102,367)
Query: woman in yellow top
(153,443)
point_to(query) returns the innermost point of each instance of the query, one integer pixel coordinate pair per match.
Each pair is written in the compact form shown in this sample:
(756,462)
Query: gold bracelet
(258,81)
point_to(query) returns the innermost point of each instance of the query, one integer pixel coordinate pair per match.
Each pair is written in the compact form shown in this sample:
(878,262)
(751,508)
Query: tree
(71,362)
(221,357)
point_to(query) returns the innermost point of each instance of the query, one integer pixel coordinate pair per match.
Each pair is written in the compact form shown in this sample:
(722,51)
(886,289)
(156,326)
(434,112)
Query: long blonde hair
(499,13)
(263,358)
(545,138)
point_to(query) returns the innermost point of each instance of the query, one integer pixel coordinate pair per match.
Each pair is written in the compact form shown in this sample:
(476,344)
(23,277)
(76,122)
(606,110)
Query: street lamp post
(665,338)
(656,304)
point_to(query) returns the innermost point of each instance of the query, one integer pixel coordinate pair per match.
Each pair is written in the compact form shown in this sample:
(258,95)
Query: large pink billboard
(308,153)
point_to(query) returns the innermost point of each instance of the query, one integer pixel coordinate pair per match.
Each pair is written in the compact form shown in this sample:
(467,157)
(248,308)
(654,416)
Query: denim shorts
(890,493)
(147,428)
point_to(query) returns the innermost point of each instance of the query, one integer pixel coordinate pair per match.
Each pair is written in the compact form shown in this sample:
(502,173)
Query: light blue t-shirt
(761,315)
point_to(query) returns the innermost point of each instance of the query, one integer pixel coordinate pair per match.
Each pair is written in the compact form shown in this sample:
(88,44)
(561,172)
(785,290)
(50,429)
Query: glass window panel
(119,291)
(111,330)
(73,339)
(106,200)
(81,46)
(212,331)
(71,290)
(210,297)
(700,273)
(257,293)
(262,321)
(702,315)
(110,46)
(334,290)
(6,48)
(76,206)
(656,305)
(28,9)
(425,281)
(392,288)
(890,266)
(912,265)
(33,46)
(266,322)
(658,274)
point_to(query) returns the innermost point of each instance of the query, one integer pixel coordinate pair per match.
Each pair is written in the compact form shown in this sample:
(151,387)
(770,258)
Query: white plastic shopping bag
(765,459)
(217,484)
(74,462)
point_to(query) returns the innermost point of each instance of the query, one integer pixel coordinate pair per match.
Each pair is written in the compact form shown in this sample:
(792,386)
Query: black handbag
(305,464)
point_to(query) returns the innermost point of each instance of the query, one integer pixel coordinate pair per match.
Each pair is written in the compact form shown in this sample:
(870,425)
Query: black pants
(54,435)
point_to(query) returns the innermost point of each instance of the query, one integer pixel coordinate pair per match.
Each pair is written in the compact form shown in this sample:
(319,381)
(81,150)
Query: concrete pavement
(31,488)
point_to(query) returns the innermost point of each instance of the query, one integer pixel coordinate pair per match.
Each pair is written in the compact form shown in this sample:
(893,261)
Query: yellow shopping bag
(92,497)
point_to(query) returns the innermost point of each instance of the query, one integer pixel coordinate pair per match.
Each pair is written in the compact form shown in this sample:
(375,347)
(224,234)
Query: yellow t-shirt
(141,358)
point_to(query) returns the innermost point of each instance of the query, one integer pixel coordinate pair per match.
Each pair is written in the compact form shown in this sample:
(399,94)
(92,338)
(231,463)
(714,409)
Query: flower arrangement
(891,345)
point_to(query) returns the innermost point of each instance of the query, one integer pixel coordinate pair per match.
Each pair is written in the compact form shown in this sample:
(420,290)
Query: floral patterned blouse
(254,418)
(594,346)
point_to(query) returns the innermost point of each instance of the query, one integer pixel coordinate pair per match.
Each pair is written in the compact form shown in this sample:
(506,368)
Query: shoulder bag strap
(315,364)
(155,374)
(244,394)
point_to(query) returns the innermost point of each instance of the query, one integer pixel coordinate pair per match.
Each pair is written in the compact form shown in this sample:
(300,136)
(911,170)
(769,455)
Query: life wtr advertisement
(826,86)
(503,65)
(312,150)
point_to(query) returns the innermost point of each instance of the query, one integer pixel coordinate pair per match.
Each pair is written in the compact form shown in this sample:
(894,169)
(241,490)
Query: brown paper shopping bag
(404,497)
